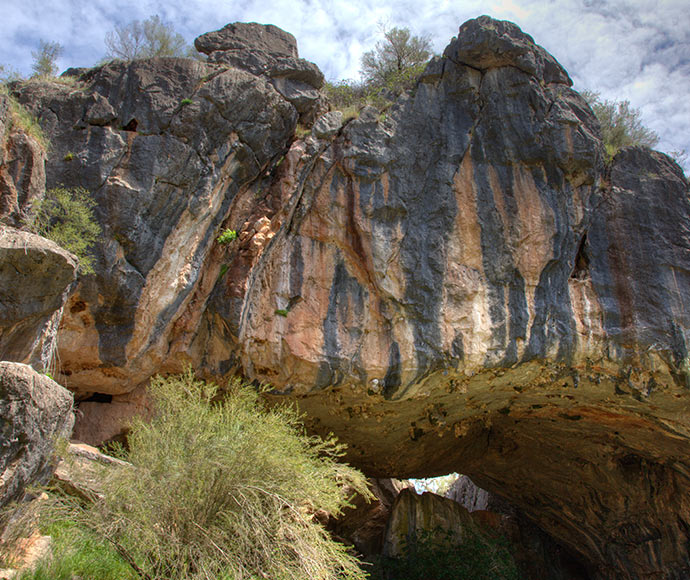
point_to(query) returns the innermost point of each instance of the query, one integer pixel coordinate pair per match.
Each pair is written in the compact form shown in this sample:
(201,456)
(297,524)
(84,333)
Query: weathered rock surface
(34,412)
(22,167)
(364,525)
(414,514)
(266,49)
(36,277)
(535,553)
(457,285)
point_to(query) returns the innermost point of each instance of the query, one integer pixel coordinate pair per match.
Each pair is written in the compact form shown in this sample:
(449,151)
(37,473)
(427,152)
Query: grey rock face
(36,277)
(164,146)
(268,39)
(34,411)
(267,50)
(22,168)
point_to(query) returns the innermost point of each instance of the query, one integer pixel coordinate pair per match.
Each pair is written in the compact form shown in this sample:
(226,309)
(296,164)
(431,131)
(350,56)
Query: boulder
(36,277)
(34,413)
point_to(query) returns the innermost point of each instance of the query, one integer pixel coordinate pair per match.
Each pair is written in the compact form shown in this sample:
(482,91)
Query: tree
(224,487)
(621,125)
(145,39)
(397,60)
(44,59)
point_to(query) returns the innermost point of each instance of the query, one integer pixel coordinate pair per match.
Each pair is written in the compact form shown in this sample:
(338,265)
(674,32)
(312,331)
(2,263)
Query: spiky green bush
(223,487)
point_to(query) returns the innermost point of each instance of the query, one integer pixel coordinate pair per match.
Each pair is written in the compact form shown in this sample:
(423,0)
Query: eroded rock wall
(458,283)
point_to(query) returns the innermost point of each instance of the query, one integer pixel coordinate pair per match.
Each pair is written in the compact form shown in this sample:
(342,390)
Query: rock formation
(36,276)
(34,412)
(458,283)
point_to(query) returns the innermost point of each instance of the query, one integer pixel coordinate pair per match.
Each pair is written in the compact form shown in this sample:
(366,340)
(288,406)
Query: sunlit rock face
(458,283)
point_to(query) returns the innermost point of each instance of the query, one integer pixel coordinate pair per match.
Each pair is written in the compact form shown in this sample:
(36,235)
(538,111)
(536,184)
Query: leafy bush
(222,487)
(65,215)
(227,236)
(621,124)
(440,555)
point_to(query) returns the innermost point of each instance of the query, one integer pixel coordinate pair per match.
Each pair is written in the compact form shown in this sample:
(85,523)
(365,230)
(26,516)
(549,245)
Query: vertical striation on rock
(458,283)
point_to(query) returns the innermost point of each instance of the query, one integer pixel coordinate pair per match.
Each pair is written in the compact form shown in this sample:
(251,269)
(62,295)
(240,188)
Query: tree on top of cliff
(145,39)
(621,124)
(397,60)
(44,59)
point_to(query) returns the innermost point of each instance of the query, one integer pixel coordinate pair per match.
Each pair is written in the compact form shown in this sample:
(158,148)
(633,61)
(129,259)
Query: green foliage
(440,555)
(282,312)
(621,125)
(397,60)
(44,64)
(145,39)
(227,236)
(69,156)
(78,553)
(22,120)
(65,215)
(185,102)
(388,70)
(223,487)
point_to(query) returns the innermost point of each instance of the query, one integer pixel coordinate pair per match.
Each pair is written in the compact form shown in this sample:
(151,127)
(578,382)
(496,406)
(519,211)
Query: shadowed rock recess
(459,283)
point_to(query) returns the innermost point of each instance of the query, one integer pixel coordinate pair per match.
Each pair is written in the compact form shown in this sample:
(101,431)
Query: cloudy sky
(625,49)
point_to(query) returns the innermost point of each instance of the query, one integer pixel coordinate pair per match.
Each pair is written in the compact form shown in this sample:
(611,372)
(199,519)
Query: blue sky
(625,49)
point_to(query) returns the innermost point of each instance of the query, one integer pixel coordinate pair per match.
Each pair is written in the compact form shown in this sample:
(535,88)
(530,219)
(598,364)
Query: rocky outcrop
(364,524)
(414,514)
(35,411)
(22,166)
(36,277)
(267,50)
(458,283)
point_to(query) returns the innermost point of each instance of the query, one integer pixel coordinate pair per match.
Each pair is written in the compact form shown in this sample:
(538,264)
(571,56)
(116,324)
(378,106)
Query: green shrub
(440,555)
(621,124)
(223,487)
(69,156)
(22,120)
(282,312)
(227,236)
(78,553)
(65,215)
(184,102)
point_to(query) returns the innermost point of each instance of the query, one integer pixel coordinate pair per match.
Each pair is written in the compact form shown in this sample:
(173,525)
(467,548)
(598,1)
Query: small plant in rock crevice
(227,236)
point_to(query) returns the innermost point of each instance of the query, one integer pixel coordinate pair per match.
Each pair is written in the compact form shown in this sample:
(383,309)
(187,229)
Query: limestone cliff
(459,283)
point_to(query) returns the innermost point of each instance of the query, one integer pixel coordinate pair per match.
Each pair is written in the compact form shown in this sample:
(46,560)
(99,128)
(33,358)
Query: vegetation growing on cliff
(223,487)
(145,39)
(65,215)
(387,70)
(621,124)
